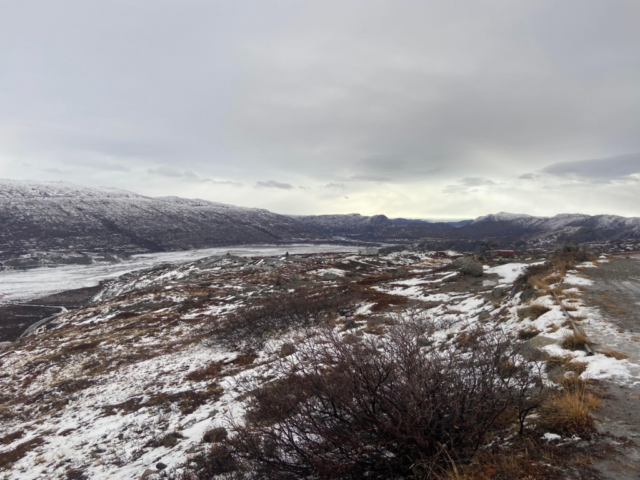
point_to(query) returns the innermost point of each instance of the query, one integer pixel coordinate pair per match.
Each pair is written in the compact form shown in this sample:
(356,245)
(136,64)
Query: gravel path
(616,294)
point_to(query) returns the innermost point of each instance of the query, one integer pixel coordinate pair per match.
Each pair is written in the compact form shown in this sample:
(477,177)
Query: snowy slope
(582,227)
(60,215)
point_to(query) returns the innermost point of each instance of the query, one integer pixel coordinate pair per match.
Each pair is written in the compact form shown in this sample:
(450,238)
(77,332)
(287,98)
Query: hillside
(156,377)
(579,227)
(376,227)
(56,215)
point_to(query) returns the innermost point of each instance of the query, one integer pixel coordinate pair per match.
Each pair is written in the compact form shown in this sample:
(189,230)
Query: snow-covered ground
(24,285)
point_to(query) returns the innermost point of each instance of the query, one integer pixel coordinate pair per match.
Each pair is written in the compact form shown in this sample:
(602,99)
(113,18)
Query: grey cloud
(529,176)
(274,184)
(224,182)
(165,172)
(335,186)
(368,178)
(476,182)
(400,94)
(467,184)
(604,168)
(189,176)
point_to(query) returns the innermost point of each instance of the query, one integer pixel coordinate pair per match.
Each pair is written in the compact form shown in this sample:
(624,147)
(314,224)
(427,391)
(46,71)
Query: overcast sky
(425,109)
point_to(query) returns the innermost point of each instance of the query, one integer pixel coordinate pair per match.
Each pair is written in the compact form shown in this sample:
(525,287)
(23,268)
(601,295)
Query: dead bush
(249,327)
(382,408)
(569,410)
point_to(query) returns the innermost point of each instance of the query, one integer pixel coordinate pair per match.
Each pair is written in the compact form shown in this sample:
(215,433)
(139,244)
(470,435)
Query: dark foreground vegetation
(393,407)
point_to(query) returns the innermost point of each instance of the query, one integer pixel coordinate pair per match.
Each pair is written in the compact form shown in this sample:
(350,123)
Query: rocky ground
(127,386)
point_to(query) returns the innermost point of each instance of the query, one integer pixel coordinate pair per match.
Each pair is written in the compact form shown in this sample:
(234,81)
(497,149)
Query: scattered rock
(460,262)
(160,466)
(540,341)
(329,276)
(147,473)
(287,349)
(527,294)
(484,315)
(498,292)
(424,341)
(350,324)
(472,268)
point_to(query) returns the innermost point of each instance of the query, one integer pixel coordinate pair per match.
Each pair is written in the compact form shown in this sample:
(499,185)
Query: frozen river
(24,285)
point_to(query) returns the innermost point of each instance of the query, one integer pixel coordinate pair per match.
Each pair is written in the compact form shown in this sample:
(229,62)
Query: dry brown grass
(528,333)
(569,410)
(569,307)
(212,370)
(566,363)
(533,311)
(575,340)
(614,354)
(11,437)
(12,456)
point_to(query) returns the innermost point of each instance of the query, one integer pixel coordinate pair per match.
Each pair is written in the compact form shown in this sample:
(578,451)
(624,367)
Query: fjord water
(24,285)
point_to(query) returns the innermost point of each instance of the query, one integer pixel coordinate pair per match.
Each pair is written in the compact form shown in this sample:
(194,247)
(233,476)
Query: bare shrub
(250,327)
(383,408)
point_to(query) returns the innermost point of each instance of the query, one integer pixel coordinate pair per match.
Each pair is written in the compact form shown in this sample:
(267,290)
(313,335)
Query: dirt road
(616,294)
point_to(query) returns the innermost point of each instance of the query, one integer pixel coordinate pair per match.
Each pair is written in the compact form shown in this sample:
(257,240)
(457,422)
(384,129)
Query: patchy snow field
(112,389)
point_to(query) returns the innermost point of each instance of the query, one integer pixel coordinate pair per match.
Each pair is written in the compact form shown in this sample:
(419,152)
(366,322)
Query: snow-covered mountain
(376,227)
(567,225)
(60,215)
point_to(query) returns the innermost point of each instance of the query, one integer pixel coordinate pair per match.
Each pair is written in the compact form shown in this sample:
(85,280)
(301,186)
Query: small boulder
(329,276)
(472,268)
(350,324)
(527,294)
(498,292)
(460,262)
(540,341)
(160,466)
(287,349)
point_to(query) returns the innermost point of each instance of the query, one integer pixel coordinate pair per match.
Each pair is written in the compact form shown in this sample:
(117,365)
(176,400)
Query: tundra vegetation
(395,367)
